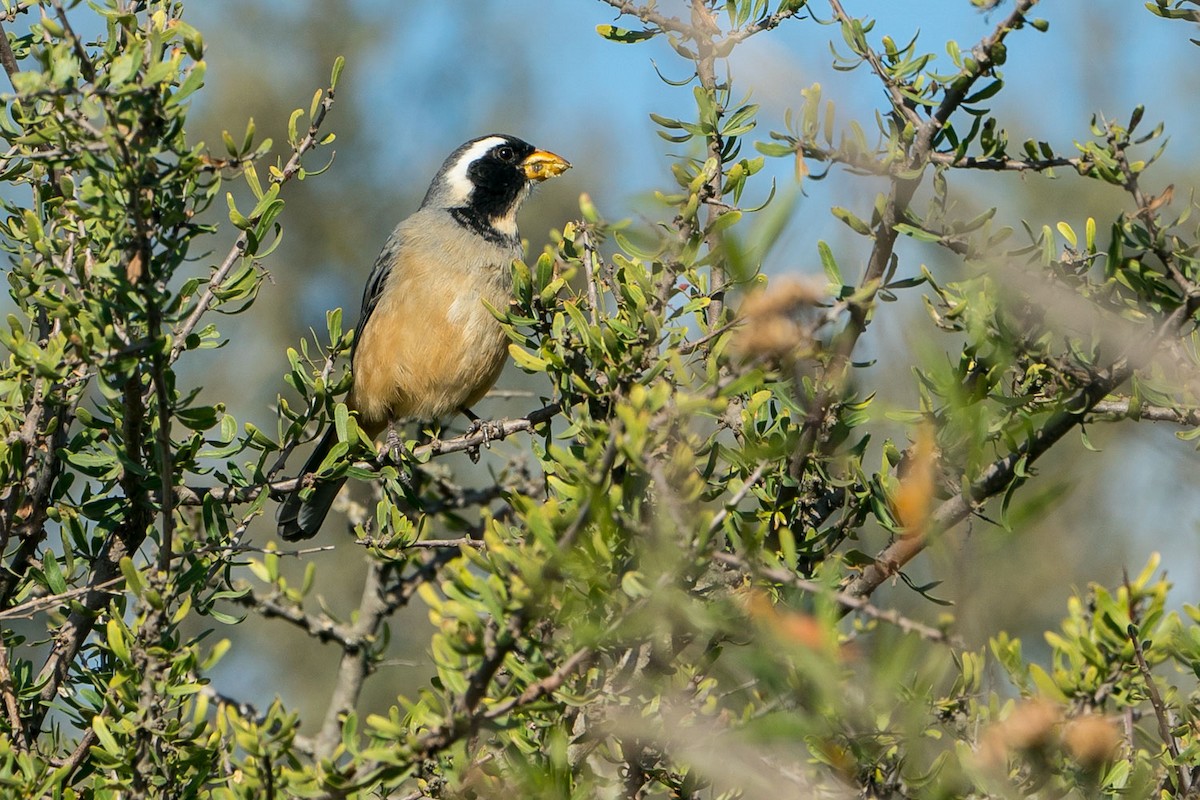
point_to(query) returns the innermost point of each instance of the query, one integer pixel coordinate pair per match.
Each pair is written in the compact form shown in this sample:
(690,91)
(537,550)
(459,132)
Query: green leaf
(829,264)
(192,83)
(104,736)
(238,220)
(919,234)
(615,34)
(856,224)
(1068,233)
(527,361)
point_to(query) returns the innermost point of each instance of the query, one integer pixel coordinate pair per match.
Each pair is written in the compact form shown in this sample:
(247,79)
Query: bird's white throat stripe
(456,177)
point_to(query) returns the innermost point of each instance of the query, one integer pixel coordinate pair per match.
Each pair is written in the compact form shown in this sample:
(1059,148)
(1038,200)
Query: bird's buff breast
(431,348)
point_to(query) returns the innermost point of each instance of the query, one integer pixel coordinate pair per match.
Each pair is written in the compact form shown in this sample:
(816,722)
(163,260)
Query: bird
(426,345)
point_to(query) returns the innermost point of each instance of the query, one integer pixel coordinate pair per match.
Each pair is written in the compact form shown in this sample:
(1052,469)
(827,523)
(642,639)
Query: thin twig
(895,91)
(81,751)
(589,271)
(1161,712)
(488,432)
(546,686)
(650,16)
(30,608)
(885,231)
(737,497)
(434,544)
(319,626)
(12,705)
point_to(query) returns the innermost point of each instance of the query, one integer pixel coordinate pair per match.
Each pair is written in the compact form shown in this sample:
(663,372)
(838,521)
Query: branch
(29,608)
(12,704)
(765,24)
(651,17)
(451,544)
(321,627)
(1161,713)
(983,59)
(18,9)
(1078,164)
(487,432)
(545,687)
(994,480)
(896,95)
(356,662)
(719,518)
(379,601)
(7,58)
(71,635)
(1124,408)
(893,212)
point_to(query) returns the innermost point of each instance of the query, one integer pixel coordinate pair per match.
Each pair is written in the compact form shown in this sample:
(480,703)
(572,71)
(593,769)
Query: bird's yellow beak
(542,164)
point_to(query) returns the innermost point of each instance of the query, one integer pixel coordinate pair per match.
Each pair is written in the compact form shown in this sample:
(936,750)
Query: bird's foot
(393,445)
(476,427)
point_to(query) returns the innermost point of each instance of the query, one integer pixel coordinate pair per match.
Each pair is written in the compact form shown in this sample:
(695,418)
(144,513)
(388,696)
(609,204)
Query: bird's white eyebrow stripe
(456,177)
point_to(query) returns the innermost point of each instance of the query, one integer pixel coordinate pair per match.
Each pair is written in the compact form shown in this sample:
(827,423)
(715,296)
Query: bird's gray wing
(376,281)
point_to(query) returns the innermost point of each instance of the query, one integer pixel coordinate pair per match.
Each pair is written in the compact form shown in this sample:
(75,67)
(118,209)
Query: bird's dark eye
(505,154)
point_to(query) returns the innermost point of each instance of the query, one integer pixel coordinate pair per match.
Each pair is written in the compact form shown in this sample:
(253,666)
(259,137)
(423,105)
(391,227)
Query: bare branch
(30,608)
(7,59)
(12,705)
(320,626)
(1125,408)
(356,662)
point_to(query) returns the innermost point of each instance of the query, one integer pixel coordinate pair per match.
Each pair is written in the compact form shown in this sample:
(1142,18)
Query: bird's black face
(499,179)
(484,182)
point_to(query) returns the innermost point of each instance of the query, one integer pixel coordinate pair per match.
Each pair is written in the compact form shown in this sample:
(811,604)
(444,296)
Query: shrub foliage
(665,590)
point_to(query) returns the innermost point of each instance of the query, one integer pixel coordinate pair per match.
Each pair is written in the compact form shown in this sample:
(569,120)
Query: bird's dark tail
(301,519)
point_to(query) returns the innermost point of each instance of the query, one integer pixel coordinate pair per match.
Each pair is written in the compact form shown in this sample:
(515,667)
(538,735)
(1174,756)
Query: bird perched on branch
(426,345)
